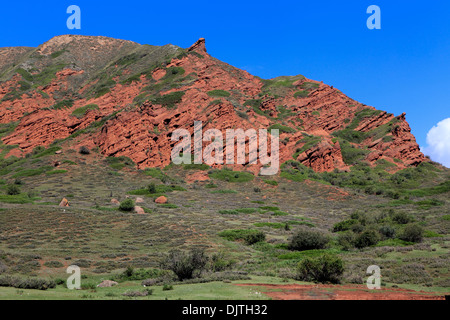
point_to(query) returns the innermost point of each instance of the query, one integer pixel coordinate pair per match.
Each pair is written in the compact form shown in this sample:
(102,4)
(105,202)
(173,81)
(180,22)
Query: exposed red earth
(340,292)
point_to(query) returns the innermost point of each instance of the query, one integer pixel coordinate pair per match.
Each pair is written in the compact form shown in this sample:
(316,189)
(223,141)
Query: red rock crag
(142,130)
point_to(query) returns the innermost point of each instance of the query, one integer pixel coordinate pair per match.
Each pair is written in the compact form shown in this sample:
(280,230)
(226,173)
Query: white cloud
(438,140)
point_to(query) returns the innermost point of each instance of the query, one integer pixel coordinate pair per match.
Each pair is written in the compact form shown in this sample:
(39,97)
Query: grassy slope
(94,230)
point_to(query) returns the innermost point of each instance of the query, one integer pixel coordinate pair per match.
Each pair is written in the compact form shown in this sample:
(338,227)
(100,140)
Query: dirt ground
(341,292)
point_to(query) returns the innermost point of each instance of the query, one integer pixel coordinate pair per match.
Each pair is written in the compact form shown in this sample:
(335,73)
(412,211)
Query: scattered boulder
(161,200)
(115,201)
(107,284)
(139,210)
(64,203)
(139,200)
(58,152)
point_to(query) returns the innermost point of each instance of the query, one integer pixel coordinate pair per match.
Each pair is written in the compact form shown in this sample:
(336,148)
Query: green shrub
(269,208)
(31,283)
(346,240)
(25,74)
(254,103)
(326,268)
(167,287)
(80,112)
(248,235)
(309,85)
(169,100)
(308,240)
(102,91)
(215,102)
(185,264)
(350,154)
(271,182)
(120,162)
(366,239)
(228,211)
(168,205)
(56,172)
(130,80)
(231,176)
(219,263)
(173,72)
(84,150)
(12,189)
(62,104)
(151,188)
(131,274)
(31,172)
(309,142)
(226,191)
(401,218)
(344,225)
(218,93)
(255,237)
(24,86)
(56,54)
(247,210)
(431,234)
(40,151)
(301,94)
(275,225)
(127,205)
(47,74)
(387,232)
(281,128)
(412,233)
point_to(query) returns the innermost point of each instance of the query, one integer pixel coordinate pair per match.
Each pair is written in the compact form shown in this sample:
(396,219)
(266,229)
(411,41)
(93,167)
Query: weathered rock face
(325,156)
(140,95)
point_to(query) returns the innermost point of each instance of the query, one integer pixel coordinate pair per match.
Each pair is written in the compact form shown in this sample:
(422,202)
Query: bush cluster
(183,264)
(127,205)
(250,236)
(308,240)
(364,230)
(323,269)
(30,283)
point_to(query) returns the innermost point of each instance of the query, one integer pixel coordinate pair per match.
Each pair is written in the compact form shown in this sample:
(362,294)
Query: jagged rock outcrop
(325,156)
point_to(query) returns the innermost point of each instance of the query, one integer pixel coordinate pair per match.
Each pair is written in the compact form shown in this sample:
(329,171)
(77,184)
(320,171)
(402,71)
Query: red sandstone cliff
(128,83)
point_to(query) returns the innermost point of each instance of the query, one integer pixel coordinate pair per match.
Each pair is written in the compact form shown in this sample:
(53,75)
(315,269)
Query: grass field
(40,239)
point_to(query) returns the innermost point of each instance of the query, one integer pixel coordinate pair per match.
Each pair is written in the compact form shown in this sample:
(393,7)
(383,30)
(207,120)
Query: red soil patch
(331,193)
(197,176)
(341,292)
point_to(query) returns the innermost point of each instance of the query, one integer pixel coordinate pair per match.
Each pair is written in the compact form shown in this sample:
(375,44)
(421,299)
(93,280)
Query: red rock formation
(326,156)
(161,200)
(142,132)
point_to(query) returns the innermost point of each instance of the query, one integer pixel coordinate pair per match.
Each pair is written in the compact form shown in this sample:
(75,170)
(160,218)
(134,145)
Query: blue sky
(404,67)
